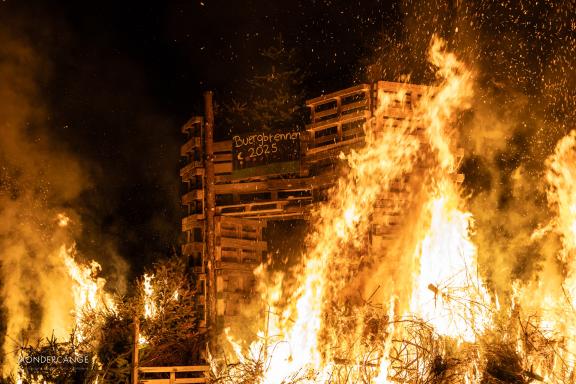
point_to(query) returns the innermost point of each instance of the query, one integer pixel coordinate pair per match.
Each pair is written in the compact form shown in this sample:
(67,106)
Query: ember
(375,192)
(439,320)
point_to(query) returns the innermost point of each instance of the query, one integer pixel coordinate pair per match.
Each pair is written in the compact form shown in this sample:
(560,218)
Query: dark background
(123,76)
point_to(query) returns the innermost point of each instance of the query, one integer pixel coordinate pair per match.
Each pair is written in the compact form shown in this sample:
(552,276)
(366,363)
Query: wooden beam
(296,184)
(243,244)
(210,211)
(191,222)
(223,146)
(231,220)
(190,124)
(356,115)
(183,380)
(135,346)
(232,266)
(176,368)
(190,168)
(189,197)
(342,93)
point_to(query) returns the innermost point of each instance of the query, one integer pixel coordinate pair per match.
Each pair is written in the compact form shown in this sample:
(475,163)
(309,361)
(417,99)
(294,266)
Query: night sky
(119,78)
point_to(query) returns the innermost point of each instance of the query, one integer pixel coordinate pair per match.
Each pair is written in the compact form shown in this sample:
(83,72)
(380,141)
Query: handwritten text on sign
(265,151)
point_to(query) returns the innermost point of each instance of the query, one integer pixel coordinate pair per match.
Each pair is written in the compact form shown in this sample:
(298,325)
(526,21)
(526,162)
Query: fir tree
(274,96)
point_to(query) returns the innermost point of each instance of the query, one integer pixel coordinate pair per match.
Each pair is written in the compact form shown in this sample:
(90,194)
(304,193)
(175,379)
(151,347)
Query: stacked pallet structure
(244,206)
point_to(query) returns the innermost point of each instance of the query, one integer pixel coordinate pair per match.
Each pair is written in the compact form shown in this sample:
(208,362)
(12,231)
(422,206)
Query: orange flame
(303,339)
(88,290)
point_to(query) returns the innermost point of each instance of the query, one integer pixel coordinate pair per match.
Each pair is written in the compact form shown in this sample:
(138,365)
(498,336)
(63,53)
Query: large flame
(88,291)
(88,300)
(304,336)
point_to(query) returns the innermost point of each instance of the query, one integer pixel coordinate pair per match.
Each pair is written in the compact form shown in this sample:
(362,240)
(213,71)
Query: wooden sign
(265,153)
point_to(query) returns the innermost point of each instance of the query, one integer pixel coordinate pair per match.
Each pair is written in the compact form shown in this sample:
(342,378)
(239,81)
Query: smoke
(519,113)
(39,179)
(522,56)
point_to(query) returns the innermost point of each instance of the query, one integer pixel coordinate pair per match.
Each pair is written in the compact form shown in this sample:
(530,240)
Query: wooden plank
(243,244)
(240,267)
(224,178)
(268,202)
(327,138)
(351,130)
(222,168)
(222,157)
(189,197)
(332,154)
(355,105)
(183,380)
(252,214)
(296,184)
(396,87)
(223,146)
(327,112)
(191,222)
(285,215)
(357,115)
(193,123)
(176,368)
(190,168)
(231,220)
(338,145)
(342,93)
(397,113)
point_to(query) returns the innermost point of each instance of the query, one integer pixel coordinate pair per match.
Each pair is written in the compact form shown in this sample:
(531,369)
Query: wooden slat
(222,157)
(396,87)
(190,168)
(190,124)
(353,131)
(337,145)
(327,112)
(232,266)
(230,220)
(271,185)
(243,244)
(342,93)
(222,168)
(254,214)
(189,197)
(176,368)
(173,371)
(358,115)
(284,215)
(223,146)
(355,105)
(397,113)
(268,202)
(191,222)
(328,138)
(191,380)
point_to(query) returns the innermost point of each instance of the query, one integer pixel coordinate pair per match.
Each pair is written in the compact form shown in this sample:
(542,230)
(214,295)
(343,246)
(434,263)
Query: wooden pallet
(194,374)
(243,206)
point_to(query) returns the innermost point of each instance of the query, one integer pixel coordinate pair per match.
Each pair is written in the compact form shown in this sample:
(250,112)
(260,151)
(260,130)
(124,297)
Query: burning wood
(431,334)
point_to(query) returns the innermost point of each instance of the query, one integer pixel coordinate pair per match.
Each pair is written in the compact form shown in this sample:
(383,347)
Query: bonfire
(417,309)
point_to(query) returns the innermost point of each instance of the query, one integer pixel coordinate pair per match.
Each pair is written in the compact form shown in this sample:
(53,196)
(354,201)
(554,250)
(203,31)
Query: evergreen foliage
(172,335)
(273,99)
